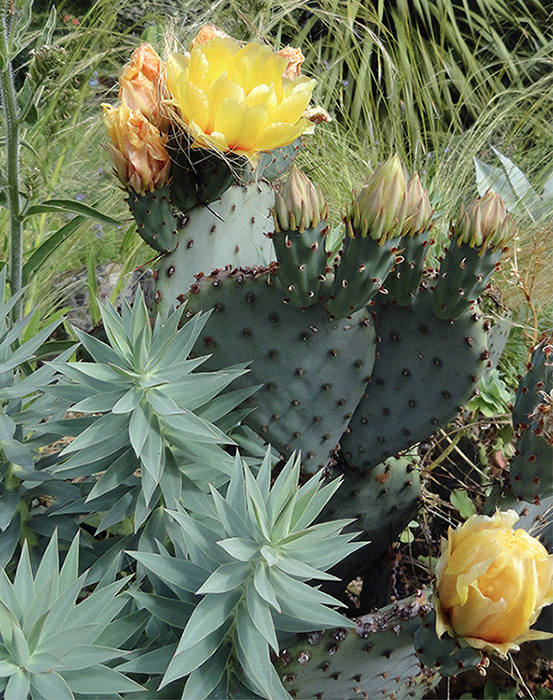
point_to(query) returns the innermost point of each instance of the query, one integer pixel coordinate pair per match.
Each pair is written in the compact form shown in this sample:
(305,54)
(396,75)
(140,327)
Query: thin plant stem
(9,108)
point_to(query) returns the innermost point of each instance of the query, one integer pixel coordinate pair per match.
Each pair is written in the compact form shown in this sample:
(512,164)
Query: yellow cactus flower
(141,85)
(137,149)
(492,582)
(237,99)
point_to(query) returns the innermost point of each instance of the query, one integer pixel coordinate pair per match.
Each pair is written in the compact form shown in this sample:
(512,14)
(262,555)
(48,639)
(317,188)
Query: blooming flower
(492,582)
(141,87)
(137,149)
(238,99)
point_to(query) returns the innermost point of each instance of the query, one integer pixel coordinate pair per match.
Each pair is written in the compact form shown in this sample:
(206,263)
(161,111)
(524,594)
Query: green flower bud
(484,223)
(299,204)
(380,208)
(419,210)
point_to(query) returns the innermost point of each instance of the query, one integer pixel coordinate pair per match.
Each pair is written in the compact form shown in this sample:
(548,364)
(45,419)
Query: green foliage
(249,560)
(53,645)
(144,408)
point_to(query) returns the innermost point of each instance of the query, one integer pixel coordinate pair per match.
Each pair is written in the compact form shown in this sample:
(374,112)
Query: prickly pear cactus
(377,659)
(312,370)
(426,368)
(530,469)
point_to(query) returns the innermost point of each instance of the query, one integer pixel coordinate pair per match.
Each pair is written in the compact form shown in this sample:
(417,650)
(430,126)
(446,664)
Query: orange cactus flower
(141,85)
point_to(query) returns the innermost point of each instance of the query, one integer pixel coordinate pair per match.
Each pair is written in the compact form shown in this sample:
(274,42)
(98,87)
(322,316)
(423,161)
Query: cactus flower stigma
(299,204)
(137,149)
(484,223)
(141,87)
(380,208)
(492,582)
(237,99)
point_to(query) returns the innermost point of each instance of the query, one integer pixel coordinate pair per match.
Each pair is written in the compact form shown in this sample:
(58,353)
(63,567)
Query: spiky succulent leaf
(143,399)
(250,561)
(53,640)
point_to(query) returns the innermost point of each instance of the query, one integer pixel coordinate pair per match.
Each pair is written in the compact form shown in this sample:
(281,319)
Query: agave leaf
(264,586)
(301,570)
(120,510)
(99,681)
(9,598)
(50,686)
(7,668)
(241,549)
(226,578)
(212,613)
(259,612)
(183,574)
(203,680)
(186,427)
(219,406)
(139,426)
(285,585)
(128,401)
(162,403)
(23,584)
(196,390)
(9,504)
(256,506)
(285,488)
(236,492)
(184,662)
(312,613)
(44,596)
(19,649)
(150,662)
(172,611)
(232,521)
(122,468)
(119,631)
(87,655)
(60,609)
(101,352)
(203,537)
(43,662)
(311,502)
(106,435)
(254,654)
(522,188)
(18,686)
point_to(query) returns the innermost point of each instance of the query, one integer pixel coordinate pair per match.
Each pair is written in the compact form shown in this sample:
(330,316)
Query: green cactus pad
(278,162)
(403,282)
(302,257)
(363,267)
(445,654)
(313,370)
(530,469)
(464,274)
(425,369)
(383,501)
(155,221)
(375,660)
(231,231)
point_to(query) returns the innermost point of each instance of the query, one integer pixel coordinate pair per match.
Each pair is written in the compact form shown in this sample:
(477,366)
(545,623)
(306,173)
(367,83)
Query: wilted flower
(299,204)
(484,223)
(492,582)
(237,99)
(137,149)
(295,59)
(380,208)
(141,87)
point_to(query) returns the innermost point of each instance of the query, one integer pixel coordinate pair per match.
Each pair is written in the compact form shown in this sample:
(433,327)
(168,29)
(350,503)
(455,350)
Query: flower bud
(137,149)
(492,582)
(299,204)
(141,86)
(419,211)
(379,210)
(484,223)
(207,33)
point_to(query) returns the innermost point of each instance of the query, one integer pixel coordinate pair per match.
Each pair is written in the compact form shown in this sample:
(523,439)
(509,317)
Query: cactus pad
(375,660)
(313,370)
(425,369)
(155,221)
(230,231)
(383,500)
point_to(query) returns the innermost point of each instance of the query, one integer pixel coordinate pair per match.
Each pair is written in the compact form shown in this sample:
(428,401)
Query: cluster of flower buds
(136,127)
(299,204)
(484,223)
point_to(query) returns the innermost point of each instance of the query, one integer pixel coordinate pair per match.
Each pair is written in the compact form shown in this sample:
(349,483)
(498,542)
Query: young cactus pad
(425,369)
(313,370)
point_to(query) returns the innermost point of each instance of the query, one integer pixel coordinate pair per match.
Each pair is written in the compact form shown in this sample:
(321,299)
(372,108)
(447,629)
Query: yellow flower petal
(229,119)
(278,134)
